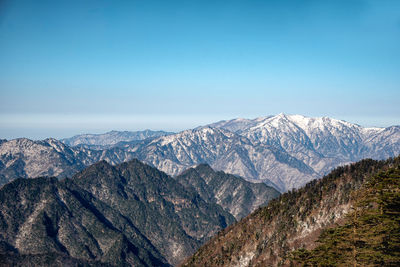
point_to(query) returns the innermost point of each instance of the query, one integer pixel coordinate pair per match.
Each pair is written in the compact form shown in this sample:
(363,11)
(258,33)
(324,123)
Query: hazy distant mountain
(285,151)
(233,193)
(129,214)
(111,138)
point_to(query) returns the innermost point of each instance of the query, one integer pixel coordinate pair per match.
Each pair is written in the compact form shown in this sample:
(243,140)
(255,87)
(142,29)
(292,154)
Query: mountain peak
(281,115)
(206,129)
(96,172)
(101,164)
(204,167)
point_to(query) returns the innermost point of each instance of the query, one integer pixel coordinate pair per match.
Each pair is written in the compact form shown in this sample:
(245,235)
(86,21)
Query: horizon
(72,67)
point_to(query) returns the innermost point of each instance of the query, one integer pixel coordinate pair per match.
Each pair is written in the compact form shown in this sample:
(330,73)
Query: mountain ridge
(111,138)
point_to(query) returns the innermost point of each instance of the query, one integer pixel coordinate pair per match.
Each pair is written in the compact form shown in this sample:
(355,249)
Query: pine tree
(371,235)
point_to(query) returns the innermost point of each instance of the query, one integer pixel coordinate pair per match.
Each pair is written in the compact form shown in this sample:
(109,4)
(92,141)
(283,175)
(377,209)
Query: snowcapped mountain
(111,138)
(382,143)
(321,143)
(285,151)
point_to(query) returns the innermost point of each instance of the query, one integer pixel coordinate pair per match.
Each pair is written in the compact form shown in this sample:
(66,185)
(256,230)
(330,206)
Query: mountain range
(284,151)
(124,215)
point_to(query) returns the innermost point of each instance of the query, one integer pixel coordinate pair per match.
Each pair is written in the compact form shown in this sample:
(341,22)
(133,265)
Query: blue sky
(68,67)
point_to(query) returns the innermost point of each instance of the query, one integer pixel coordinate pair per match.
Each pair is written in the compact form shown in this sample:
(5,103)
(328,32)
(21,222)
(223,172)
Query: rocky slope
(129,214)
(233,193)
(268,236)
(370,235)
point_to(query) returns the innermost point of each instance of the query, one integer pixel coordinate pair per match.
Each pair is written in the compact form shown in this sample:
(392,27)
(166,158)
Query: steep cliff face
(294,220)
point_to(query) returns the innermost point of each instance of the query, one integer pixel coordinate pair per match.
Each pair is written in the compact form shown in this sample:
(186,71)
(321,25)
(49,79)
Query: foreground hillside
(295,220)
(371,233)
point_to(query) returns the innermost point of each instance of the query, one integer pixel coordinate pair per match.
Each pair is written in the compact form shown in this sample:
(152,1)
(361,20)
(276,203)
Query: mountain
(371,233)
(29,159)
(26,158)
(320,143)
(46,218)
(129,214)
(233,193)
(284,151)
(285,231)
(111,138)
(176,220)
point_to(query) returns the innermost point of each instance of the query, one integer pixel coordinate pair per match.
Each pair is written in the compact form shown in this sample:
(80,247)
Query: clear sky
(68,67)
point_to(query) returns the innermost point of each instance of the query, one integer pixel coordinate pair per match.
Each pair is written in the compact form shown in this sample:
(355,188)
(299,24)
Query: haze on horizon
(69,67)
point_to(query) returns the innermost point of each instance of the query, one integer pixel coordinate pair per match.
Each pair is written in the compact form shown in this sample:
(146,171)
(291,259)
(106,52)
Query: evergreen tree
(371,235)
